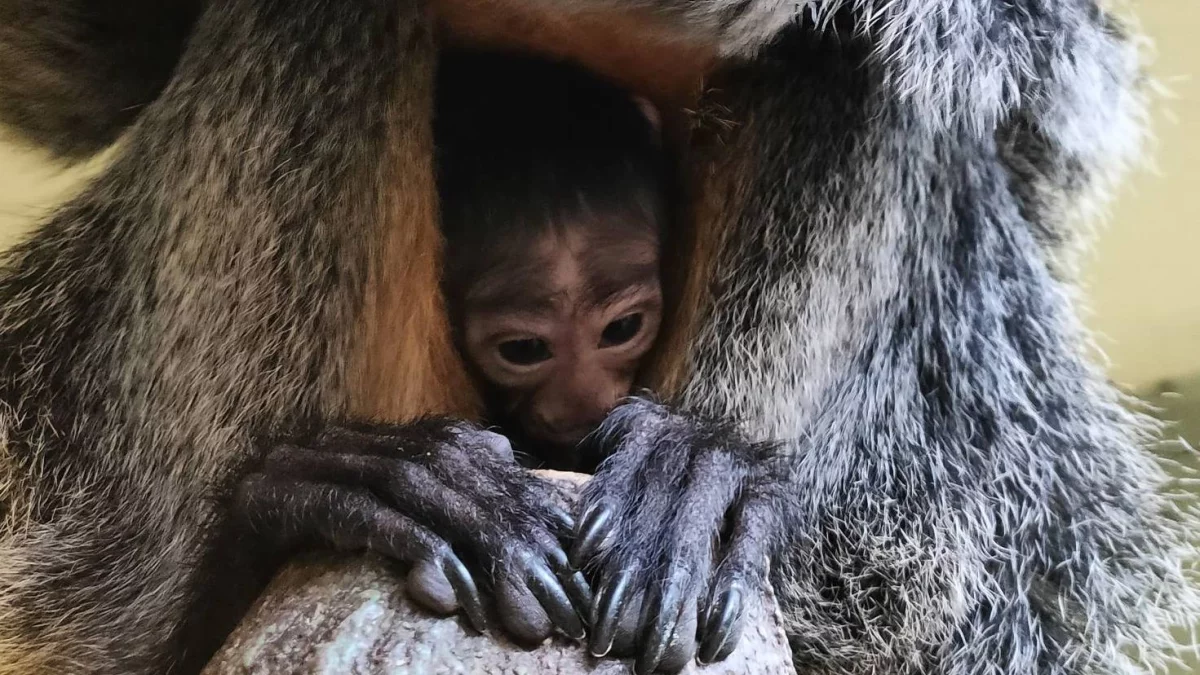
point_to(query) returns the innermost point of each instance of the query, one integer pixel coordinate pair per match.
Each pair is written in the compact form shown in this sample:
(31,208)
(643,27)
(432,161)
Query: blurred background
(1141,280)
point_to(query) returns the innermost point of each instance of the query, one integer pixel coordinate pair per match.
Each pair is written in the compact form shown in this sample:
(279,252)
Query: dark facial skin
(559,335)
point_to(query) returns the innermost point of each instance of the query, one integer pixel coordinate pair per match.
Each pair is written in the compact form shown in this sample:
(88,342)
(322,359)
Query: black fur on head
(528,146)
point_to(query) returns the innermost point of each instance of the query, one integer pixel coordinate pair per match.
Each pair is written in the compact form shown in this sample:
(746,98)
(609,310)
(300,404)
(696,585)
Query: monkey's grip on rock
(331,615)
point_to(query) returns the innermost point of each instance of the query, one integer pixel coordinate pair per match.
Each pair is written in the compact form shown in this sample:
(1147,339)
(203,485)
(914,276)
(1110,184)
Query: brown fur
(405,364)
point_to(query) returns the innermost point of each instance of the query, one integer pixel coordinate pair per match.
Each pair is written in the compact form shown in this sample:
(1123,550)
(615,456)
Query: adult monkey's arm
(887,216)
(266,228)
(958,489)
(74,74)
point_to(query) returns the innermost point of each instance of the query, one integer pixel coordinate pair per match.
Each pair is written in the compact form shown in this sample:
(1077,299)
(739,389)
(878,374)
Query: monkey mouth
(560,450)
(541,446)
(536,428)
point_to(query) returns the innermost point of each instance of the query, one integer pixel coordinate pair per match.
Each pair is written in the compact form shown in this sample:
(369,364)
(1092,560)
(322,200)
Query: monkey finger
(563,522)
(496,444)
(573,581)
(554,599)
(412,490)
(549,500)
(682,649)
(428,586)
(627,638)
(438,580)
(661,615)
(352,519)
(465,590)
(609,604)
(345,518)
(740,576)
(520,611)
(595,527)
(501,447)
(723,624)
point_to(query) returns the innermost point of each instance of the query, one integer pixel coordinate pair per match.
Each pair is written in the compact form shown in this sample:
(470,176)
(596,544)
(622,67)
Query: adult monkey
(875,236)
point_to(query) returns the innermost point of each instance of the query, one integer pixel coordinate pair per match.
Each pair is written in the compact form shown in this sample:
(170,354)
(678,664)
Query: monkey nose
(569,426)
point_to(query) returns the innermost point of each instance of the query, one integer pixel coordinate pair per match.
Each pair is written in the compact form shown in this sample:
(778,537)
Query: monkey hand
(677,526)
(436,495)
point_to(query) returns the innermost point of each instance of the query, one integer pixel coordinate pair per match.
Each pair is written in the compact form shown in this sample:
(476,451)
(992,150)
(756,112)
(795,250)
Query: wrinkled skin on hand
(448,499)
(676,530)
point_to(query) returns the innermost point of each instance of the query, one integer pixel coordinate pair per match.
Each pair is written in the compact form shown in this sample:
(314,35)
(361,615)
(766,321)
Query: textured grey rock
(334,615)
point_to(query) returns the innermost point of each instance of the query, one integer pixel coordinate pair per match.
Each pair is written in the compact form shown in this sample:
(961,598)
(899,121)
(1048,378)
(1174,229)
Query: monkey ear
(650,111)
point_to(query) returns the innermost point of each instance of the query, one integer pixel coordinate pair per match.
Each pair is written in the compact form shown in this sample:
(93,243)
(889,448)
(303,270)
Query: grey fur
(970,495)
(967,493)
(202,290)
(75,73)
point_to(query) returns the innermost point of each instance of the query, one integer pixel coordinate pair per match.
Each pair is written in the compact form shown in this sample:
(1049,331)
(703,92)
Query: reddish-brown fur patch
(637,49)
(407,364)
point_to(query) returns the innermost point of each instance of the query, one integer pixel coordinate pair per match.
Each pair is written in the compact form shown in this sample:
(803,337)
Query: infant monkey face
(562,334)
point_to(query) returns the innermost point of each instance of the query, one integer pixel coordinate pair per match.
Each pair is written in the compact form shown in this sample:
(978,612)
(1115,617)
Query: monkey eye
(524,352)
(621,331)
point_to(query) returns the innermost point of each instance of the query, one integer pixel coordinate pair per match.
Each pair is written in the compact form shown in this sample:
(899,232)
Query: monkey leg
(445,498)
(678,564)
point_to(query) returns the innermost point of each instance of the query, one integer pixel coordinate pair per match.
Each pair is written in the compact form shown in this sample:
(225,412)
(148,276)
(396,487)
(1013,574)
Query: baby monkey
(553,189)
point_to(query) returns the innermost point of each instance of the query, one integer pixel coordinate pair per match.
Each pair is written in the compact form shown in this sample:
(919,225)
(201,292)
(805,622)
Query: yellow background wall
(29,186)
(1144,276)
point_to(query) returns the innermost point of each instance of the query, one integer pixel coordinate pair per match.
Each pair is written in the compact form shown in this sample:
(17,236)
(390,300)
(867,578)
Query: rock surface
(338,615)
